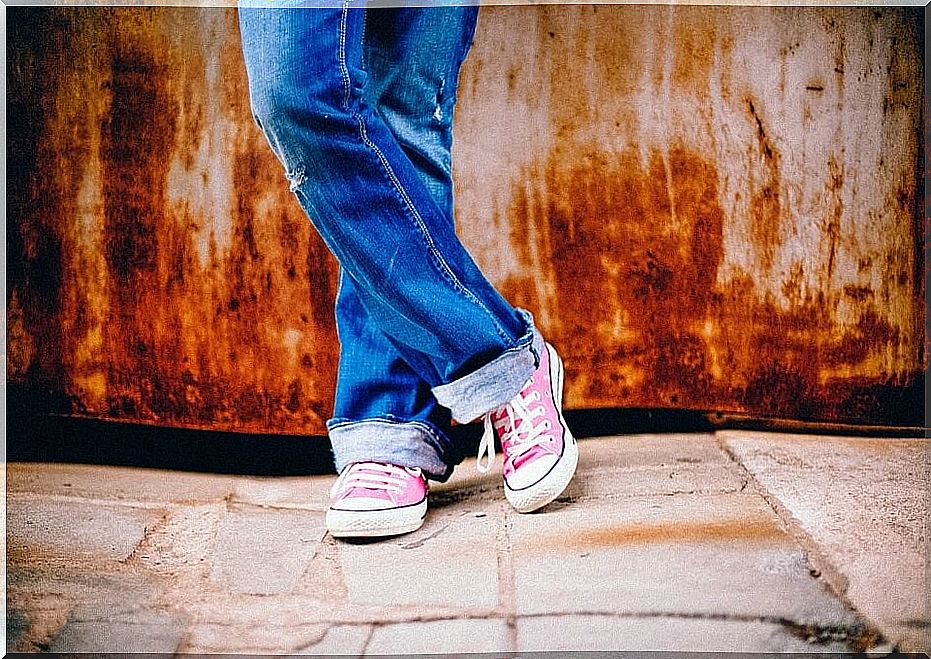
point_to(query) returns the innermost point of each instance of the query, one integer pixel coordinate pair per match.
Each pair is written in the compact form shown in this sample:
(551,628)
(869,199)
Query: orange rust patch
(604,232)
(182,344)
(608,214)
(693,44)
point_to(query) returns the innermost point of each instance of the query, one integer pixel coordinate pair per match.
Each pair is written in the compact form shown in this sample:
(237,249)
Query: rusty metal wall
(706,208)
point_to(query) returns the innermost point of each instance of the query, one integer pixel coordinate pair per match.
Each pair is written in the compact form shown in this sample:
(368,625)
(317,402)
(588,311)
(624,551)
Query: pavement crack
(147,534)
(859,637)
(563,502)
(506,589)
(368,640)
(237,505)
(816,558)
(422,541)
(303,648)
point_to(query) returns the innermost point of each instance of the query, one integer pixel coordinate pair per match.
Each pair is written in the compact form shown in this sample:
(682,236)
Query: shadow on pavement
(44,437)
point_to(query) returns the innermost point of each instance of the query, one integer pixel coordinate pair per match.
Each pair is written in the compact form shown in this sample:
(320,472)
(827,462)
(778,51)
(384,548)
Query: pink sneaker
(371,499)
(540,454)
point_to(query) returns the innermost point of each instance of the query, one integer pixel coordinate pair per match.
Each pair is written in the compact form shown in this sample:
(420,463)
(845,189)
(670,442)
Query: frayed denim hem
(391,440)
(495,383)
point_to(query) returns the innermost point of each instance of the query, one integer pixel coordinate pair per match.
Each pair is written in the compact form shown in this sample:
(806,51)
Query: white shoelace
(519,432)
(389,478)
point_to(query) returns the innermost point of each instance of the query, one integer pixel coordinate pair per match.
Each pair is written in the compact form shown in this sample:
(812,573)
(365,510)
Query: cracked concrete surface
(736,541)
(863,506)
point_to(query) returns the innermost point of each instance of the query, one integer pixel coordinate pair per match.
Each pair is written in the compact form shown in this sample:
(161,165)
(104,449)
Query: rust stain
(749,530)
(726,67)
(687,340)
(870,331)
(766,202)
(608,214)
(833,228)
(137,139)
(290,275)
(523,206)
(181,344)
(37,258)
(858,293)
(792,287)
(611,57)
(693,44)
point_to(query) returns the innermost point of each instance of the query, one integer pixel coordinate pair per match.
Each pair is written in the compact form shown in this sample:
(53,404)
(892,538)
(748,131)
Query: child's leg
(370,203)
(384,411)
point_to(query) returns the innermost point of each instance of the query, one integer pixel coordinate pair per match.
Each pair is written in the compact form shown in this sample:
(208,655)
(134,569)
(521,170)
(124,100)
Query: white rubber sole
(555,482)
(375,523)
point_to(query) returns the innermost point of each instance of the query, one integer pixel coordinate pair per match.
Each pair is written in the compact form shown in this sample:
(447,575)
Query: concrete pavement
(733,541)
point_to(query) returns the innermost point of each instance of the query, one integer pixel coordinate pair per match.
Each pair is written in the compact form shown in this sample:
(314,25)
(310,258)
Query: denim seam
(437,257)
(365,22)
(341,56)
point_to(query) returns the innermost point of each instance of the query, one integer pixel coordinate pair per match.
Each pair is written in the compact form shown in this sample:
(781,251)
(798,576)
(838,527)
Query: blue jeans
(357,104)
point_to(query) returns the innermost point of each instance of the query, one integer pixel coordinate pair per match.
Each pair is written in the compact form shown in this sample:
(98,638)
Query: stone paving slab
(667,634)
(864,502)
(148,632)
(691,555)
(649,464)
(622,452)
(117,483)
(604,483)
(451,561)
(286,492)
(639,465)
(73,528)
(659,534)
(48,599)
(262,553)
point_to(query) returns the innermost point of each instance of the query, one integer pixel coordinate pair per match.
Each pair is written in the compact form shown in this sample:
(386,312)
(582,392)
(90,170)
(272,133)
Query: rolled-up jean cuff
(494,384)
(395,441)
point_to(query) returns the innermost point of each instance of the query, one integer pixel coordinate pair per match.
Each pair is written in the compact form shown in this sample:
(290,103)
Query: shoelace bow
(518,435)
(374,476)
